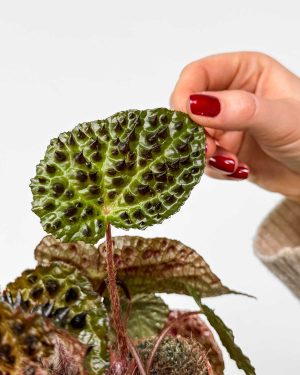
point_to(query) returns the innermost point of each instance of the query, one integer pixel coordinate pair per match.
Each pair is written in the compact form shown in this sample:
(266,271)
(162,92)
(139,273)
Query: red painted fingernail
(204,105)
(222,163)
(241,173)
(206,149)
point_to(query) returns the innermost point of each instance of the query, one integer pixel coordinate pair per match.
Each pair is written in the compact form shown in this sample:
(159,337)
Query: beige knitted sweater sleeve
(277,243)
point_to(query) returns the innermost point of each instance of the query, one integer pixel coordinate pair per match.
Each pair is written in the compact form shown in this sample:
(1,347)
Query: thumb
(270,121)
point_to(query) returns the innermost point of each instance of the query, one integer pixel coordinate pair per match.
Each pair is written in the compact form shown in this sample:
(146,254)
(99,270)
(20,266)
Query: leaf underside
(226,336)
(132,170)
(153,265)
(147,315)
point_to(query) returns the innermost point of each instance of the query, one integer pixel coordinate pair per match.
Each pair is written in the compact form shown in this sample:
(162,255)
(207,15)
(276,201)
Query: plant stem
(114,297)
(136,356)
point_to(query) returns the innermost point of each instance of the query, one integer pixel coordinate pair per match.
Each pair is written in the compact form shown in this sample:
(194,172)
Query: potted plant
(94,310)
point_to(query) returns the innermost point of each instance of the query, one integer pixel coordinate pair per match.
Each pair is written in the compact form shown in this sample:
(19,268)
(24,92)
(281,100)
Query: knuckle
(187,69)
(259,56)
(248,107)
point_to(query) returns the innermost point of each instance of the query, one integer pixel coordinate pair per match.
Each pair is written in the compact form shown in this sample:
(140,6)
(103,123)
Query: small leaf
(153,265)
(148,316)
(194,327)
(175,356)
(132,170)
(226,336)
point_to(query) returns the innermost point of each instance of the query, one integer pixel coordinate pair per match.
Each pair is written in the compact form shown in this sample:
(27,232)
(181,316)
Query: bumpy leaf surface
(67,297)
(25,340)
(132,170)
(193,327)
(175,356)
(31,345)
(80,255)
(226,336)
(157,265)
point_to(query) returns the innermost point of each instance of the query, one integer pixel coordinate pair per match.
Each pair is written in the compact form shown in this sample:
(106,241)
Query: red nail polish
(204,105)
(206,149)
(241,173)
(222,163)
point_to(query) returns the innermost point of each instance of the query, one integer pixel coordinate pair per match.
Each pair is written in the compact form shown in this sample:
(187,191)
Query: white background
(64,62)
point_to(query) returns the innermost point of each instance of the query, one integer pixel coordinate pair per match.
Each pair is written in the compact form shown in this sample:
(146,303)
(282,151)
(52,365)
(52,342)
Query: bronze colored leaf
(80,255)
(63,294)
(153,265)
(25,339)
(31,344)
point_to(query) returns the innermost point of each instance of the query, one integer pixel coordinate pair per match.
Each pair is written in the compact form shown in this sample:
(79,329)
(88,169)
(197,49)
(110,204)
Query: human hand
(249,105)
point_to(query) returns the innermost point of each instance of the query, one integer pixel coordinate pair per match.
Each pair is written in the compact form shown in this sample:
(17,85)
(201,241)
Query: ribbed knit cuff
(277,243)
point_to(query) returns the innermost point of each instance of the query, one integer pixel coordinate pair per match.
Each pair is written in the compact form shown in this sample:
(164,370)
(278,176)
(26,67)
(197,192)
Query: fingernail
(222,163)
(241,173)
(205,148)
(204,105)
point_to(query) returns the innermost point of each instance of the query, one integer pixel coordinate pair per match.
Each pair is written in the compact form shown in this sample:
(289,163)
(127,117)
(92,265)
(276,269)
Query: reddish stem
(136,356)
(114,297)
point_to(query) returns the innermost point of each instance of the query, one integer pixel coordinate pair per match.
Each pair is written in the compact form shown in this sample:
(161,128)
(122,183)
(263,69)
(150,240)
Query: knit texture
(277,243)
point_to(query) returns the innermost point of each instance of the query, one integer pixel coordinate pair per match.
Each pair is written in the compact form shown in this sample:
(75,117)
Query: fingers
(225,110)
(247,103)
(225,165)
(242,173)
(240,70)
(223,162)
(247,91)
(211,146)
(268,120)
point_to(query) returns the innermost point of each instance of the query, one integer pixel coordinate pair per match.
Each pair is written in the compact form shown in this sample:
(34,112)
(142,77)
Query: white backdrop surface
(64,62)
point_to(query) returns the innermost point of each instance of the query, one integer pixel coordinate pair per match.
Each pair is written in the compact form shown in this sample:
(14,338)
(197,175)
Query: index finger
(237,70)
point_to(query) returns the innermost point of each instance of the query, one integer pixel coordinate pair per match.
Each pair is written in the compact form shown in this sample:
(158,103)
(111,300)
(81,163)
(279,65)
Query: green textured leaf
(132,170)
(226,336)
(61,293)
(148,316)
(153,265)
